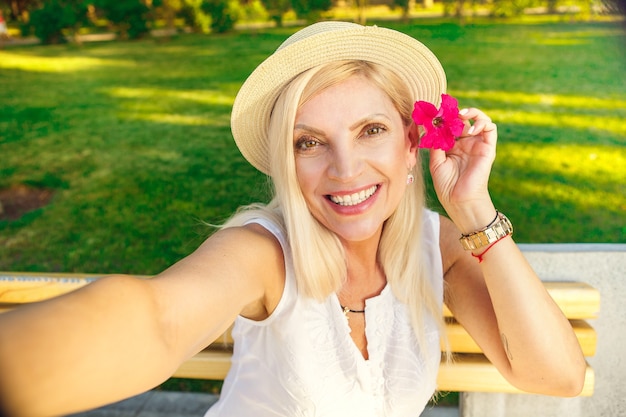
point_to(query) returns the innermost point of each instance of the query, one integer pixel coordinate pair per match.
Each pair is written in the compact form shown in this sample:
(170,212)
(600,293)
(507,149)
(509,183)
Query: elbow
(571,378)
(564,382)
(571,387)
(574,383)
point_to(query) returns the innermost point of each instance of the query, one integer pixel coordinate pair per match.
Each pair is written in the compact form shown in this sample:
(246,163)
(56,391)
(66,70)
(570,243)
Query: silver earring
(410,178)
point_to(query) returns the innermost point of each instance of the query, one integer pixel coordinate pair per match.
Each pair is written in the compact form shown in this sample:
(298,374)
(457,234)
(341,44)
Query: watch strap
(498,229)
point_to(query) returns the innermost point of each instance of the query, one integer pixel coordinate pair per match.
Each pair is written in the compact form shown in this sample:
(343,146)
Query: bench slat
(577,300)
(474,373)
(208,364)
(466,373)
(28,287)
(460,341)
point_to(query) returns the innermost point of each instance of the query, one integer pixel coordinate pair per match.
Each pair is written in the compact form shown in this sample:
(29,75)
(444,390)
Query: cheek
(399,163)
(308,175)
(396,158)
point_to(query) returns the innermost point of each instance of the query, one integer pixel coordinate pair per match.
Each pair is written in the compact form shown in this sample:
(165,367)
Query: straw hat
(318,44)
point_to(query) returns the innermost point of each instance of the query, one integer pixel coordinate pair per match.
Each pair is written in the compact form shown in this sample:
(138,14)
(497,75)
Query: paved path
(185,404)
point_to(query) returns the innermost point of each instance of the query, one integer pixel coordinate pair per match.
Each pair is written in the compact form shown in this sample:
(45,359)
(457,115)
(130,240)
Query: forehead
(354,97)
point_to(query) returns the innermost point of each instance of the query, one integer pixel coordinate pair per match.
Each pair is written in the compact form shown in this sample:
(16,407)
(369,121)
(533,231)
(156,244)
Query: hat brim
(408,58)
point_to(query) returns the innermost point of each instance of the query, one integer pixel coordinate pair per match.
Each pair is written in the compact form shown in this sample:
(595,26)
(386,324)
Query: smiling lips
(353,199)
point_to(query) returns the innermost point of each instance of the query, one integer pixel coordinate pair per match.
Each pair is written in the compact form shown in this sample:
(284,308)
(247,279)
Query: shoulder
(264,243)
(257,255)
(251,249)
(242,268)
(251,243)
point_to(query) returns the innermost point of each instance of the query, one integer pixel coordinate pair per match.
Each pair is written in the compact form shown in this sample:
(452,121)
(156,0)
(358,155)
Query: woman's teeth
(354,199)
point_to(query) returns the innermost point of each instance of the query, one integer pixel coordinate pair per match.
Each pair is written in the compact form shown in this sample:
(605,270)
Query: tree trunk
(362,4)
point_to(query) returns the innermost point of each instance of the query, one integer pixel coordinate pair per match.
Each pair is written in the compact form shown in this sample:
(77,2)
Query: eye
(374,130)
(306,143)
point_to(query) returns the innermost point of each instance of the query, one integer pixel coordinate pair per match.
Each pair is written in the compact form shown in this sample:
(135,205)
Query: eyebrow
(354,126)
(369,119)
(310,129)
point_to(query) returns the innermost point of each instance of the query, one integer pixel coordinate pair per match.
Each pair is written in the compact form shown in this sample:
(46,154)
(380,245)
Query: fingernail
(463,111)
(470,130)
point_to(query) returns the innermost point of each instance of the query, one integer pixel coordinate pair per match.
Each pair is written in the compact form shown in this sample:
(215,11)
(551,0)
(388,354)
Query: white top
(301,361)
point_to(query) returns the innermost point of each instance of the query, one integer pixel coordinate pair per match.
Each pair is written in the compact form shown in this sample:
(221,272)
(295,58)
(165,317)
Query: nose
(346,163)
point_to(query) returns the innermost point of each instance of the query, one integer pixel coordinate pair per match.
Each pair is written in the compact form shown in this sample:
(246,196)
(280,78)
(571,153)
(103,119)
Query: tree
(362,7)
(20,9)
(276,9)
(129,17)
(615,6)
(405,6)
(224,14)
(167,10)
(456,7)
(508,8)
(56,16)
(311,10)
(194,16)
(552,6)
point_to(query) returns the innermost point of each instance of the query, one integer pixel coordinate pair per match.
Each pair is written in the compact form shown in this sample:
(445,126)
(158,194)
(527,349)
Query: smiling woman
(335,287)
(353,148)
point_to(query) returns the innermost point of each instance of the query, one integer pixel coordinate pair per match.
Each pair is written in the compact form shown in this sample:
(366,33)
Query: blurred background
(115,145)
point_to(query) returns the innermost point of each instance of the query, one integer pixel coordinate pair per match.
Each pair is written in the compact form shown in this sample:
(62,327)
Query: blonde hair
(318,256)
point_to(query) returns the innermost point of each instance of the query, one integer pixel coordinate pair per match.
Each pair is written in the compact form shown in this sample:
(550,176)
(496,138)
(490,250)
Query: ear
(413,140)
(414,135)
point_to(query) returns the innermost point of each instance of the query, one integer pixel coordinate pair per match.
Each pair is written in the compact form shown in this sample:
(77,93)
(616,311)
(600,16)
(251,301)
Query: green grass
(134,137)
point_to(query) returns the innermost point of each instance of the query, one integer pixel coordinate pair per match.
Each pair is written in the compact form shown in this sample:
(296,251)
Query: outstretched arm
(500,301)
(121,336)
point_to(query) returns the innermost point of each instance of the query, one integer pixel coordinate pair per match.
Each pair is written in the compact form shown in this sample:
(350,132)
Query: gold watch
(495,231)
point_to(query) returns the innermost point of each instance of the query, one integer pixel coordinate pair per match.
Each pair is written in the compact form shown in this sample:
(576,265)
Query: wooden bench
(470,371)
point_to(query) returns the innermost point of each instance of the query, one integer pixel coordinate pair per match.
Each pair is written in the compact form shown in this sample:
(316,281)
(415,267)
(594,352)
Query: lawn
(134,140)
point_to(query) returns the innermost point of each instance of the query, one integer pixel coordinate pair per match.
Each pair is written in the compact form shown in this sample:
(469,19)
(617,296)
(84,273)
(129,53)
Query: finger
(490,133)
(437,157)
(475,121)
(472,113)
(481,126)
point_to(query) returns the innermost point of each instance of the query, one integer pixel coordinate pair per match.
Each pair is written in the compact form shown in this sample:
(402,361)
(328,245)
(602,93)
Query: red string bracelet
(480,255)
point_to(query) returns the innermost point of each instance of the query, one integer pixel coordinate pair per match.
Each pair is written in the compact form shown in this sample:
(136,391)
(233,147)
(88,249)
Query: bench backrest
(469,372)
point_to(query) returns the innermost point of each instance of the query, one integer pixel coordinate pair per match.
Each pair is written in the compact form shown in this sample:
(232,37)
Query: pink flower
(442,125)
